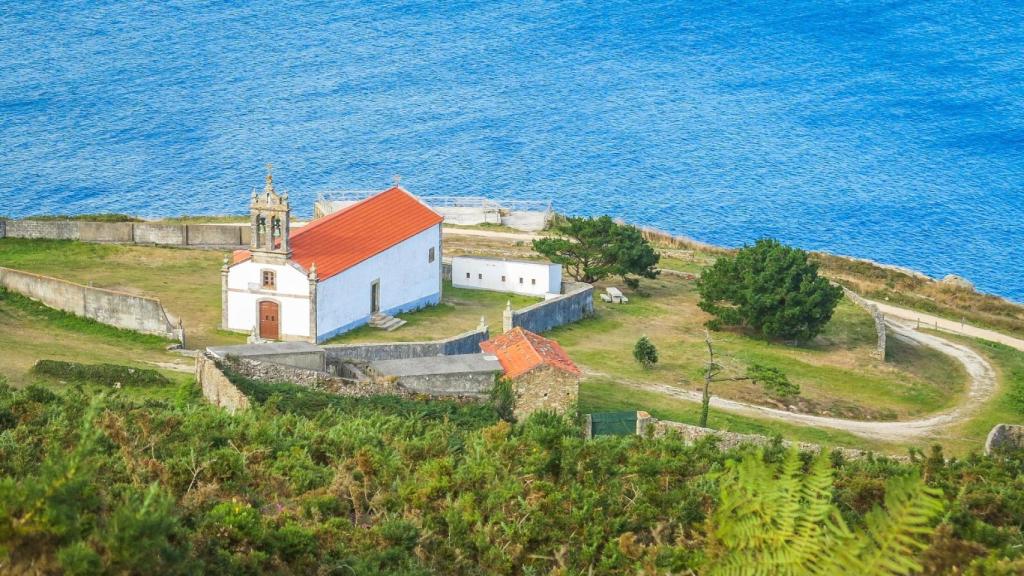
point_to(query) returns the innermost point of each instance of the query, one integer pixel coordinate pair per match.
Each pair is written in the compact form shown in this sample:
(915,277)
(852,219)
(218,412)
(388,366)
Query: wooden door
(269,321)
(375,297)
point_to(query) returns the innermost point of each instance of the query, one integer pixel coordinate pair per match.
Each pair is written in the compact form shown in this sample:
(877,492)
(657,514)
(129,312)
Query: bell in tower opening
(270,216)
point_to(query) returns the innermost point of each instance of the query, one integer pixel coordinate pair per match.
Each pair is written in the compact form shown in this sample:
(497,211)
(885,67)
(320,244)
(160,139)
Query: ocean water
(884,130)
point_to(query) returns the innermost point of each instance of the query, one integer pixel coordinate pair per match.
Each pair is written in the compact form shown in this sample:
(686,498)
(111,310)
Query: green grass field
(836,372)
(186,281)
(33,332)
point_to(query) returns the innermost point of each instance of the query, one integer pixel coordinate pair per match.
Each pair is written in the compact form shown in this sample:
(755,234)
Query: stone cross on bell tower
(270,218)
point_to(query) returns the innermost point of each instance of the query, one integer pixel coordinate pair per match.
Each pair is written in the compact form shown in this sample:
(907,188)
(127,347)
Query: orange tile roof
(520,351)
(240,256)
(358,232)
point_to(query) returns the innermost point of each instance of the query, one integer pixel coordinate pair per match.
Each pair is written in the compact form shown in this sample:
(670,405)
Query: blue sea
(889,130)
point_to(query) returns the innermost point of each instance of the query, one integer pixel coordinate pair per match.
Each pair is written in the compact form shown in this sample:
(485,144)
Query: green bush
(104,374)
(645,353)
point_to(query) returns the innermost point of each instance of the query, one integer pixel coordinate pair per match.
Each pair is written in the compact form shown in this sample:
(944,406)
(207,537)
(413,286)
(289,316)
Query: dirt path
(490,233)
(930,321)
(981,386)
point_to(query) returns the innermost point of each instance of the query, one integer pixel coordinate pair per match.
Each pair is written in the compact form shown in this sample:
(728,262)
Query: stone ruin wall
(726,440)
(217,389)
(876,315)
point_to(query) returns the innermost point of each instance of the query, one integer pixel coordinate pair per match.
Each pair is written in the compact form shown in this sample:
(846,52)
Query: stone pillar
(506,318)
(224,295)
(643,422)
(312,304)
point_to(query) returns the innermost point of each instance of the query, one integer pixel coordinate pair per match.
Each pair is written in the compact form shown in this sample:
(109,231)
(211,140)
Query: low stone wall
(161,234)
(52,229)
(878,317)
(214,235)
(726,440)
(118,309)
(217,389)
(122,232)
(219,235)
(575,303)
(462,385)
(1004,438)
(465,343)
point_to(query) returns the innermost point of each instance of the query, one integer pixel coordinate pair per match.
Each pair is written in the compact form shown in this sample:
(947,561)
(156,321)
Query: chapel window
(430,254)
(269,279)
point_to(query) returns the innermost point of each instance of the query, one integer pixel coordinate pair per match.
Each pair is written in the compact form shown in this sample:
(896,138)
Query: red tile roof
(240,256)
(520,351)
(358,232)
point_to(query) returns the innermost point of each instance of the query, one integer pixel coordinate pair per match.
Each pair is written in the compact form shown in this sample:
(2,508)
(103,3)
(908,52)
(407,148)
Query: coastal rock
(957,282)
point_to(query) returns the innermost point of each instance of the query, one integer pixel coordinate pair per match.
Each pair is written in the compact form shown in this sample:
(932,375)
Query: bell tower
(269,217)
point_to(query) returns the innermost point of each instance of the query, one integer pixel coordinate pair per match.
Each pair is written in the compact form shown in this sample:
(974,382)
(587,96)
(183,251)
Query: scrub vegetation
(115,483)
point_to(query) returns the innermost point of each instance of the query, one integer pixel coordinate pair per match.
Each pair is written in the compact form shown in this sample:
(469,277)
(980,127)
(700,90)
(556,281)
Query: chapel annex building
(380,255)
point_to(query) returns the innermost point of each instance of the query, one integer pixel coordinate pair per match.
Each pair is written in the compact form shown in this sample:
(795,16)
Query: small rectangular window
(268,280)
(503,278)
(520,280)
(467,275)
(479,276)
(533,281)
(430,255)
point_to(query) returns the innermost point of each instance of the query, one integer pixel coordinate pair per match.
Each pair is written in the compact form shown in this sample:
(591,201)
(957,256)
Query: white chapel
(380,256)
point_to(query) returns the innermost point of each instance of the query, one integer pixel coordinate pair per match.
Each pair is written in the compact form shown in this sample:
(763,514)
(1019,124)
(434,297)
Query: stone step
(395,324)
(386,322)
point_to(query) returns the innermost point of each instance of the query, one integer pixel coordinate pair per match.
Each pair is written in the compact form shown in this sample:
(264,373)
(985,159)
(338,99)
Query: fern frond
(895,535)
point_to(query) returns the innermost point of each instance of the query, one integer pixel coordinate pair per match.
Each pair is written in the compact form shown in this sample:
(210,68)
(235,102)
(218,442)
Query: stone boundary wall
(727,440)
(217,389)
(154,233)
(312,379)
(465,343)
(1004,438)
(117,309)
(575,304)
(878,317)
(52,229)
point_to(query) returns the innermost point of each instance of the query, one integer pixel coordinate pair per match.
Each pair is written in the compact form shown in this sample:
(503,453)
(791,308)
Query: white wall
(408,280)
(538,278)
(245,293)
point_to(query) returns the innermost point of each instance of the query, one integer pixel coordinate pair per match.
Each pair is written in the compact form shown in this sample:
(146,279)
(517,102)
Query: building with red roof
(378,257)
(543,375)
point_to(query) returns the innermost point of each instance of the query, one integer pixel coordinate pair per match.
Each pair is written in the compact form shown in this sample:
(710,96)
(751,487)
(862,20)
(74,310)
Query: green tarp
(613,424)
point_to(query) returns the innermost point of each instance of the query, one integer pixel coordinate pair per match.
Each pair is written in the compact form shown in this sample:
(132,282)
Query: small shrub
(645,353)
(79,559)
(503,399)
(105,374)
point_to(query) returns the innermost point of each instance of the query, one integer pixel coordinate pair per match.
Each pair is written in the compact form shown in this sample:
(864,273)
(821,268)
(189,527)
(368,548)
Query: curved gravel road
(981,386)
